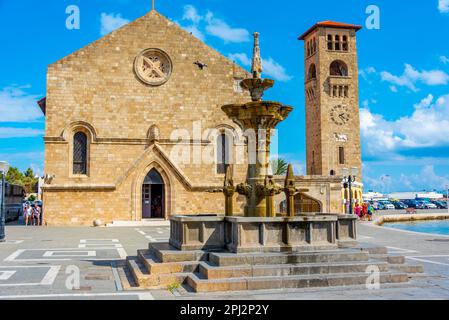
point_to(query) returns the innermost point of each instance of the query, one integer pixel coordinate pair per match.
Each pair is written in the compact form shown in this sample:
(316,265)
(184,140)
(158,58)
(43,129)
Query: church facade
(135,130)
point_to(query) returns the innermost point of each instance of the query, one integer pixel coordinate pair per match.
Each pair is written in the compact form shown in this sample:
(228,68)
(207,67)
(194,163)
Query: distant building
(370,196)
(416,195)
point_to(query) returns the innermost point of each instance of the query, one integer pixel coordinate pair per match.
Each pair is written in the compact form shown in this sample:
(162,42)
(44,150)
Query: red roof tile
(331,24)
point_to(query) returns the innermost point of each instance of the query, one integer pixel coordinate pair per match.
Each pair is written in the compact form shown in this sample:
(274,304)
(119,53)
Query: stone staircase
(162,266)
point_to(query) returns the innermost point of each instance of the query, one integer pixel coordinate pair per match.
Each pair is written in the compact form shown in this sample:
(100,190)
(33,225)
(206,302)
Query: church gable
(146,72)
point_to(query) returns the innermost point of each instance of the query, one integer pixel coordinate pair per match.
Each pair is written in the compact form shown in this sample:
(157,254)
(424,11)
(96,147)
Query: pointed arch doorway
(153,196)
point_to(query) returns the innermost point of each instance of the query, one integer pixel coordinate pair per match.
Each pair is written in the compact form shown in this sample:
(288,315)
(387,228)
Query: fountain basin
(253,234)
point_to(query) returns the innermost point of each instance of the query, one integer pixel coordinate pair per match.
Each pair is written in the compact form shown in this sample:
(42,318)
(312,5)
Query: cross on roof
(152,5)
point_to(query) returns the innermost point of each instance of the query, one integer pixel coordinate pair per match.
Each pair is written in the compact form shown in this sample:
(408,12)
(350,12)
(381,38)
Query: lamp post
(350,177)
(4,167)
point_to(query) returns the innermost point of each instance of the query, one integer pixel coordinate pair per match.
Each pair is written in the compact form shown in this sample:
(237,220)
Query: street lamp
(350,177)
(4,167)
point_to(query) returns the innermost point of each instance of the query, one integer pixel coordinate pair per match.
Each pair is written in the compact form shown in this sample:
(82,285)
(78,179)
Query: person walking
(364,210)
(36,215)
(358,210)
(370,213)
(28,214)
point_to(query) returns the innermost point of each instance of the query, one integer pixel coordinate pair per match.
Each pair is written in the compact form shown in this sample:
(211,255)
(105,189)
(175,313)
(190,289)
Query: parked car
(380,206)
(440,204)
(426,205)
(398,205)
(387,205)
(411,203)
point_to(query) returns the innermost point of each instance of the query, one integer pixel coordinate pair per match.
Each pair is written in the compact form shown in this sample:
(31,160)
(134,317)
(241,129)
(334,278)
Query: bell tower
(332,98)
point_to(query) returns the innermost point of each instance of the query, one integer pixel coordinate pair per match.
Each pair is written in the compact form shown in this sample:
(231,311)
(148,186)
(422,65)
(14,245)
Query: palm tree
(279,166)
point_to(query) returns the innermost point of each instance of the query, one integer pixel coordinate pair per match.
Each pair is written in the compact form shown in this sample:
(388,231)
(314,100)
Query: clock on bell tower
(332,99)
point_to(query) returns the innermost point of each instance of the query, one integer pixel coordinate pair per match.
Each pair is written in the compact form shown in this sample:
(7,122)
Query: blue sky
(404,72)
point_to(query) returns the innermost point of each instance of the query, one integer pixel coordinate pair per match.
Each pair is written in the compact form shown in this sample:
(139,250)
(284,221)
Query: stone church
(135,130)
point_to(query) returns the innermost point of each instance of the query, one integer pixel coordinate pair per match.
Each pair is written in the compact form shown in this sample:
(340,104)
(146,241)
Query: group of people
(32,214)
(364,211)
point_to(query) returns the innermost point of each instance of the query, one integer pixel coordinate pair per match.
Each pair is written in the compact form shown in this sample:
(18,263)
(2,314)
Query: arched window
(223,153)
(339,68)
(312,72)
(80,153)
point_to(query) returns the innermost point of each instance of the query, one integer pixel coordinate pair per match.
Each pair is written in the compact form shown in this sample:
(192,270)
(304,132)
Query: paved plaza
(44,263)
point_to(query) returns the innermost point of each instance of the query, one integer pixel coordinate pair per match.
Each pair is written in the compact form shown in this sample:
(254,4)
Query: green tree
(279,166)
(29,173)
(27,179)
(14,176)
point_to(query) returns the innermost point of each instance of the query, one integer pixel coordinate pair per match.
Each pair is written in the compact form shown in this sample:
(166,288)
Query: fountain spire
(256,85)
(256,68)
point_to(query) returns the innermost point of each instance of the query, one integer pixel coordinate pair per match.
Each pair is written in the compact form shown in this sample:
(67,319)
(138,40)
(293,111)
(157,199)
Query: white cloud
(111,22)
(208,23)
(411,76)
(275,70)
(444,60)
(193,29)
(270,67)
(16,105)
(427,127)
(443,6)
(220,29)
(11,132)
(425,179)
(241,58)
(191,14)
(364,73)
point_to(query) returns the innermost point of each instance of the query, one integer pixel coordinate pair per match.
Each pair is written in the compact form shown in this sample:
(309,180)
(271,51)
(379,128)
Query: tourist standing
(28,214)
(364,210)
(36,215)
(370,213)
(358,210)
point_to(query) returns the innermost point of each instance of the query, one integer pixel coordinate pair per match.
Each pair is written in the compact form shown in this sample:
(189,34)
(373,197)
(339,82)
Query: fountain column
(258,119)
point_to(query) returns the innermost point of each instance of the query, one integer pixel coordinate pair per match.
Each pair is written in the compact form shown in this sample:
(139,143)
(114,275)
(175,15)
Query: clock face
(340,115)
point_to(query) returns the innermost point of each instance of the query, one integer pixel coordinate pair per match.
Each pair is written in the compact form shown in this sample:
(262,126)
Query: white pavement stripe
(122,253)
(48,279)
(5,275)
(428,261)
(401,250)
(14,255)
(51,275)
(139,295)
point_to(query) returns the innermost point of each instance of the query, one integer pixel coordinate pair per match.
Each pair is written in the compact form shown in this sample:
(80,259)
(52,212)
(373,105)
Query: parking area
(40,262)
(84,263)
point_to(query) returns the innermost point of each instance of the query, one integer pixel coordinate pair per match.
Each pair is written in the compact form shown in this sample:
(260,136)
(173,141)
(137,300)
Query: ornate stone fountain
(260,228)
(260,249)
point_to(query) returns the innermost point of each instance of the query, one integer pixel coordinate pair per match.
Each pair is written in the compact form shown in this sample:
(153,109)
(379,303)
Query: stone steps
(391,259)
(226,259)
(156,281)
(212,272)
(165,253)
(162,266)
(288,282)
(154,266)
(411,269)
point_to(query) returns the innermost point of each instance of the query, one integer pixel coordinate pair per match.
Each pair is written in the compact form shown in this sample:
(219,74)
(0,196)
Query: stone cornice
(79,187)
